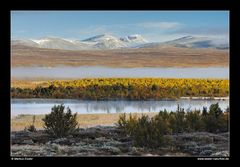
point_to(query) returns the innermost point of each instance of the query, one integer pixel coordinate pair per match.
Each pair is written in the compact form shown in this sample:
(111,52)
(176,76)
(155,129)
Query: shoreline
(206,98)
(163,99)
(19,122)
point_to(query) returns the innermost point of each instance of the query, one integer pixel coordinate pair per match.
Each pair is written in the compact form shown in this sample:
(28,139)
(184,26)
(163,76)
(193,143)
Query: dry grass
(144,57)
(21,121)
(28,83)
(85,120)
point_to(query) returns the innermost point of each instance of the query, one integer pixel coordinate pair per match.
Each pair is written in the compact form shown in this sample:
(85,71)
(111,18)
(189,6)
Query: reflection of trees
(147,106)
(106,106)
(28,106)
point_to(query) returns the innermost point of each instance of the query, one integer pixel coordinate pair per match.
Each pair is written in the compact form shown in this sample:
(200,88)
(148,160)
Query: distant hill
(100,42)
(190,42)
(109,42)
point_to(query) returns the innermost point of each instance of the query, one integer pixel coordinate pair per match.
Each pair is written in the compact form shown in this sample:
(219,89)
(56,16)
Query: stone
(55,148)
(111,149)
(206,152)
(207,147)
(100,139)
(135,151)
(125,139)
(221,154)
(60,140)
(28,142)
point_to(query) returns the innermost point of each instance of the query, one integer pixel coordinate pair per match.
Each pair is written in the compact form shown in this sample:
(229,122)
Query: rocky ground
(110,141)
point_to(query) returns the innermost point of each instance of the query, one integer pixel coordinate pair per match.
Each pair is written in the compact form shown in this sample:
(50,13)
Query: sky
(155,26)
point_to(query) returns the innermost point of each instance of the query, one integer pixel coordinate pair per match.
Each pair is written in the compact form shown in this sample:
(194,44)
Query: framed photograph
(120,83)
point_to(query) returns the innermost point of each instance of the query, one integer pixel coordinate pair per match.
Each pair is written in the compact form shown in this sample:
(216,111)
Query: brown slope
(142,57)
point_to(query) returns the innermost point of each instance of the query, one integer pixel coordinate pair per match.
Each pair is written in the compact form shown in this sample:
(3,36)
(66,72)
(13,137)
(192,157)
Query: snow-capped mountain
(197,42)
(105,42)
(57,43)
(53,43)
(97,42)
(134,40)
(191,42)
(25,42)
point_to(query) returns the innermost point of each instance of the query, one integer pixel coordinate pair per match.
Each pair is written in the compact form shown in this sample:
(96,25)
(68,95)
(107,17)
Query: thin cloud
(215,31)
(161,25)
(133,28)
(86,32)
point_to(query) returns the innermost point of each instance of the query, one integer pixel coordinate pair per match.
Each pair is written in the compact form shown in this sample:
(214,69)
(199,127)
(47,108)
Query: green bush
(141,132)
(194,121)
(128,125)
(177,120)
(152,132)
(145,131)
(215,110)
(60,124)
(216,120)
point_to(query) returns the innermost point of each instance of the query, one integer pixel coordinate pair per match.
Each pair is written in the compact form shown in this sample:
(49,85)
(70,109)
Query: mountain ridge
(106,42)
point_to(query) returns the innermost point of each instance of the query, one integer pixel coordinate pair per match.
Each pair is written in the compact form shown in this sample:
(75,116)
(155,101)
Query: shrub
(194,121)
(31,128)
(141,132)
(210,123)
(145,131)
(214,109)
(204,112)
(216,120)
(177,120)
(122,121)
(128,125)
(58,123)
(153,132)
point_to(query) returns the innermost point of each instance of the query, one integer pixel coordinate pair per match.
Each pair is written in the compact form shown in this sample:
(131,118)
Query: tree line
(126,88)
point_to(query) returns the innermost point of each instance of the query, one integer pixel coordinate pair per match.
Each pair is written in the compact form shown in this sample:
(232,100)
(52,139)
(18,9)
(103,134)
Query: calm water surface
(95,72)
(43,106)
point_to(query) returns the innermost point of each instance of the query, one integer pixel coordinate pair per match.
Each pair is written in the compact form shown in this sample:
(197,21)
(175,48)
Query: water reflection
(96,72)
(43,106)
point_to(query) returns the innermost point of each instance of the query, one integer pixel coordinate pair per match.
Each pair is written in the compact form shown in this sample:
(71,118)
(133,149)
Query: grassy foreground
(85,120)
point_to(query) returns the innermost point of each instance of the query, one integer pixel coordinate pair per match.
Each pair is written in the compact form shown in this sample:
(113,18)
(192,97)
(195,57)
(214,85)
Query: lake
(43,106)
(65,72)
